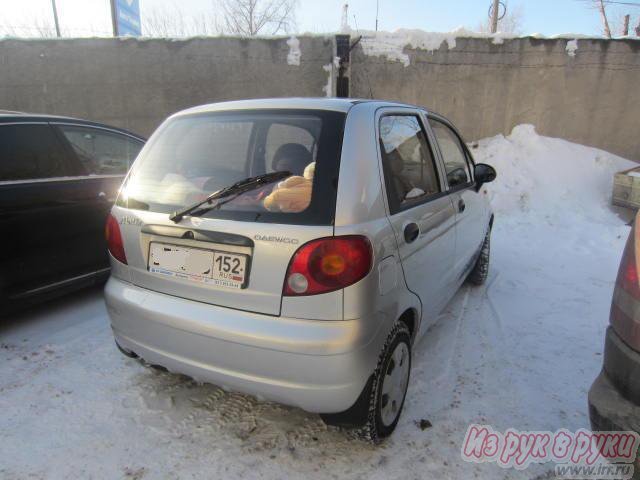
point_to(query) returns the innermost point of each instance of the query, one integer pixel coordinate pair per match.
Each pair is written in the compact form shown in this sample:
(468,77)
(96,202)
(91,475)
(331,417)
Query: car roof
(7,116)
(302,103)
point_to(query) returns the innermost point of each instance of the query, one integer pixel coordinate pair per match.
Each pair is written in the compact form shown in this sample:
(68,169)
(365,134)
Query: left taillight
(328,264)
(114,239)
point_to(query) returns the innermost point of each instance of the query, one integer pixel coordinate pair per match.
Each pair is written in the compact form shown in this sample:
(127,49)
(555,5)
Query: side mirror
(484,173)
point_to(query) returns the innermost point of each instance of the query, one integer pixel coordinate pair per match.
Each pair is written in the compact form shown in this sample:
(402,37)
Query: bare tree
(510,23)
(174,22)
(252,17)
(41,27)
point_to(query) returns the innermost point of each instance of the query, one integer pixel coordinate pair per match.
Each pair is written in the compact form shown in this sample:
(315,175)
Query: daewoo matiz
(295,249)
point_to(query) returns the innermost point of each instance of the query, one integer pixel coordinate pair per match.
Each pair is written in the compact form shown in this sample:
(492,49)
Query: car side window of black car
(453,154)
(31,152)
(101,152)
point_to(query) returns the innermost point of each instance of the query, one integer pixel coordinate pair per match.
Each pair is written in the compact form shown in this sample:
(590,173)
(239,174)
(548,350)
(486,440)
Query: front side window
(453,154)
(196,155)
(409,169)
(30,152)
(101,152)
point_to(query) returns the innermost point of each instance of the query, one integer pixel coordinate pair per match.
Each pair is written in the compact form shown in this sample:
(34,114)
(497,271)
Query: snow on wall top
(392,44)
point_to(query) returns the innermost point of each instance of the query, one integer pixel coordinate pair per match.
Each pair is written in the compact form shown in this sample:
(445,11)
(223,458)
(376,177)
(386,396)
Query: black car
(58,179)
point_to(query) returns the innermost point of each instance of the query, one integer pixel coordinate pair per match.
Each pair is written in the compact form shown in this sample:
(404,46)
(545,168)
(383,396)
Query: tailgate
(240,265)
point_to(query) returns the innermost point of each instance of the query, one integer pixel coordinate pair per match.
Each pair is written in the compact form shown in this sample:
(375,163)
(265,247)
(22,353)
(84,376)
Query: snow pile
(549,178)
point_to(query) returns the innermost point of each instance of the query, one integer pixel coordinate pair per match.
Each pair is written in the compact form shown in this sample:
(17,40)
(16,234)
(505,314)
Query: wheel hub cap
(394,383)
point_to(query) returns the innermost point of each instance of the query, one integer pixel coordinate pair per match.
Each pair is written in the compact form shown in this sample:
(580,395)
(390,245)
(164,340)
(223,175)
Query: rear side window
(453,154)
(101,152)
(31,152)
(192,156)
(409,168)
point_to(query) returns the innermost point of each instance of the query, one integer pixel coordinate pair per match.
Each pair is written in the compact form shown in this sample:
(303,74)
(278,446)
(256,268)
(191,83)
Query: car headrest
(292,157)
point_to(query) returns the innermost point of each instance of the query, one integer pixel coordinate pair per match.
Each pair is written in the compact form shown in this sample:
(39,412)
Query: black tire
(481,269)
(366,414)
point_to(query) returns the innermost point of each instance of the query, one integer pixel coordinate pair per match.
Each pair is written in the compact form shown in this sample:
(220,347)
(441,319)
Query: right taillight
(328,264)
(114,239)
(626,297)
(628,274)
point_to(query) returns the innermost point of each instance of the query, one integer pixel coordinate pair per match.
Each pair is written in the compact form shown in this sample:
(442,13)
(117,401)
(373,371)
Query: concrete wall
(136,84)
(591,98)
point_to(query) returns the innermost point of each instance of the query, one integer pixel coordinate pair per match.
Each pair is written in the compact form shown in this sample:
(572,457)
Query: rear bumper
(319,366)
(609,411)
(613,404)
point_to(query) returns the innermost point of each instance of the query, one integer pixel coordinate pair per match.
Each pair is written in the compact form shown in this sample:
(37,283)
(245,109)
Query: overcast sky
(548,17)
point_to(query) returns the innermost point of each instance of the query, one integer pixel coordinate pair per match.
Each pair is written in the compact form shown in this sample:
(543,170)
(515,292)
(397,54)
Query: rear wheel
(377,411)
(481,269)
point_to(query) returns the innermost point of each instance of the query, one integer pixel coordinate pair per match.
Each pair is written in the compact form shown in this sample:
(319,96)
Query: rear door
(37,217)
(420,211)
(470,206)
(101,158)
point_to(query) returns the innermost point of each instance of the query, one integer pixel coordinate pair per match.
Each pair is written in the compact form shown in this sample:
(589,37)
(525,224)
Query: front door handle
(461,205)
(411,232)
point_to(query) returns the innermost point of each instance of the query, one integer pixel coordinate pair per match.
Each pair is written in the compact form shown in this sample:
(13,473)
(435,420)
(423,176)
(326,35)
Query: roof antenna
(364,65)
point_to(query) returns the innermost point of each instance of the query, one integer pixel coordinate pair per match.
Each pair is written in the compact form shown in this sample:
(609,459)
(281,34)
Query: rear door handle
(411,232)
(461,205)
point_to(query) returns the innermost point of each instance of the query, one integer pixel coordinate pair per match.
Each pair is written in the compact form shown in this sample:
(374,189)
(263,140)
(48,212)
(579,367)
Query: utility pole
(55,18)
(605,22)
(377,12)
(495,13)
(114,18)
(625,26)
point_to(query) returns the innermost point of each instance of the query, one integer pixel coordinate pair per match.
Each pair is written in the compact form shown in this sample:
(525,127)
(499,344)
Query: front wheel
(382,400)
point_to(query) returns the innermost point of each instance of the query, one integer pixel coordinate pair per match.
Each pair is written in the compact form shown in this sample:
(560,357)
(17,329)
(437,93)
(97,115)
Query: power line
(615,2)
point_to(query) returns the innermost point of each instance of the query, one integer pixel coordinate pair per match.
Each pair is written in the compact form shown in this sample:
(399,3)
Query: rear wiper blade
(237,188)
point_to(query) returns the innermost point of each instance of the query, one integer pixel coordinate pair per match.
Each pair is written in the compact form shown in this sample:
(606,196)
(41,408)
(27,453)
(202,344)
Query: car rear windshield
(193,156)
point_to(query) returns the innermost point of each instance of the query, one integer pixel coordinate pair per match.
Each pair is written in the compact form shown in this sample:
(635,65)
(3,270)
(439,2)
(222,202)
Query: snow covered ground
(520,352)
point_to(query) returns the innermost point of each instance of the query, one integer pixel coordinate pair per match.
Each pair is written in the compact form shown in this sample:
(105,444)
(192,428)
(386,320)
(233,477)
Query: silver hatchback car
(295,249)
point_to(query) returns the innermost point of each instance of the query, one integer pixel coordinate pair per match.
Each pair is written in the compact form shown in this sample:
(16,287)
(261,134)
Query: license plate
(214,267)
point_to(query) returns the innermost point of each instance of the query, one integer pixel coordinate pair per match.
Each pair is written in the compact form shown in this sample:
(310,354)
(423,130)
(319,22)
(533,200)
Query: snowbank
(550,178)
